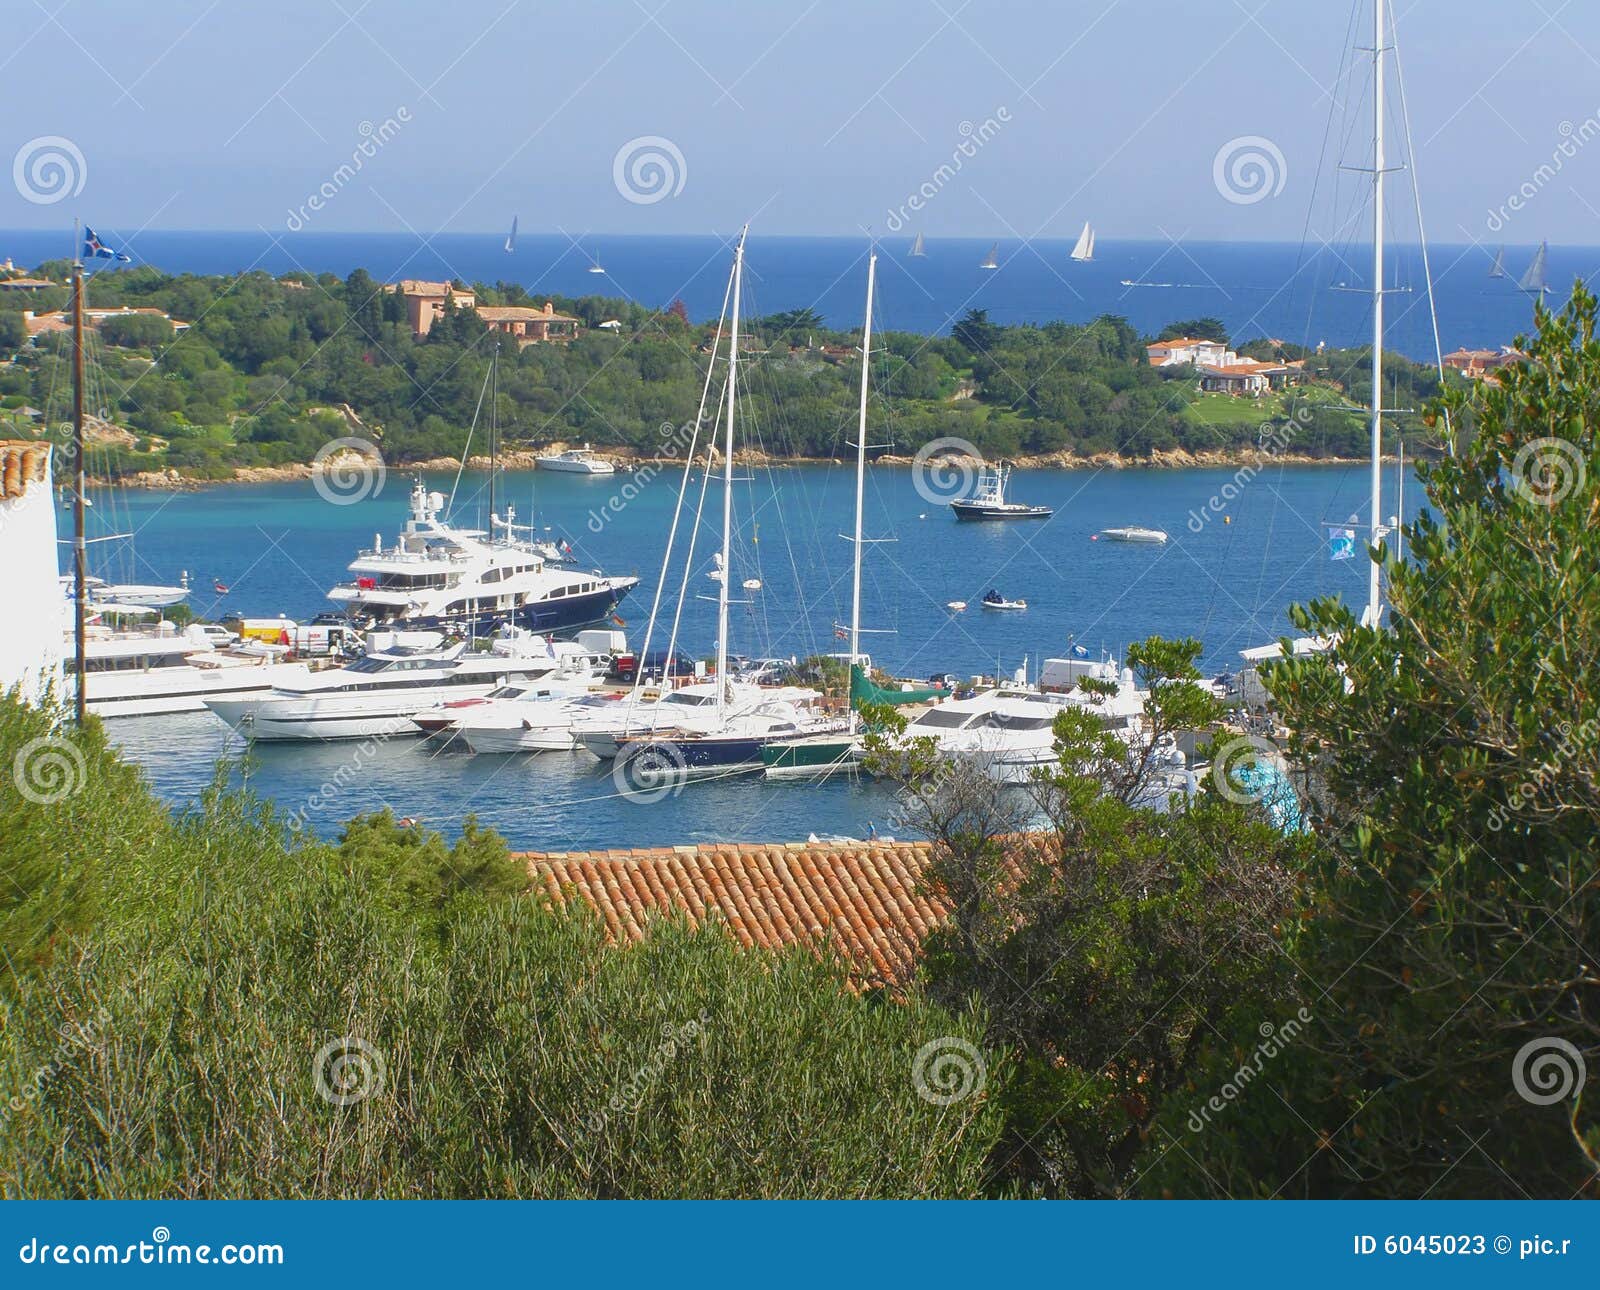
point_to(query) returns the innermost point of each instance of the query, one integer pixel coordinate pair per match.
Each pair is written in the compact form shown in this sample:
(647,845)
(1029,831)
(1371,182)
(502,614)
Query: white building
(1189,349)
(30,645)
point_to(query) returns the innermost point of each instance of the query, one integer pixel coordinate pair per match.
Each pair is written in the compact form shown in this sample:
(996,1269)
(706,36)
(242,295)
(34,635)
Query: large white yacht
(576,461)
(467,582)
(534,720)
(376,695)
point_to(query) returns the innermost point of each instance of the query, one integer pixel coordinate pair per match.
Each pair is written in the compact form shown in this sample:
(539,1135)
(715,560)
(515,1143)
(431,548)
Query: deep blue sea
(280,547)
(1271,289)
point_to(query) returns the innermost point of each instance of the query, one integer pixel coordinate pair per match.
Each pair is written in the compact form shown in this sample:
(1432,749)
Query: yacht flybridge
(438,577)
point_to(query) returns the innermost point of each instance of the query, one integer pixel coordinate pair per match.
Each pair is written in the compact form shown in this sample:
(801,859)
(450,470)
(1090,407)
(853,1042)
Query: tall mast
(494,438)
(79,549)
(1374,590)
(861,475)
(727,479)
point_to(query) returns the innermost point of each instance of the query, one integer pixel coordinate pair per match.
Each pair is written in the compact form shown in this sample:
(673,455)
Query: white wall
(31,639)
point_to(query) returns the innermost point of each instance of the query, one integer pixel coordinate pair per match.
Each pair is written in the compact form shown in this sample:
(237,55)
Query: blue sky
(807,117)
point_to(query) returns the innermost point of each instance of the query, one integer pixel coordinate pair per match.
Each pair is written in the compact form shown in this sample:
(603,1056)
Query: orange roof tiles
(864,899)
(21,464)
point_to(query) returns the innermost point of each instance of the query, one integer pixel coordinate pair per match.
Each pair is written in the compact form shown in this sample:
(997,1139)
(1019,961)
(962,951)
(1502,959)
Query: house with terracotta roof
(30,647)
(530,326)
(1243,376)
(1186,349)
(27,284)
(426,301)
(864,900)
(1478,364)
(61,320)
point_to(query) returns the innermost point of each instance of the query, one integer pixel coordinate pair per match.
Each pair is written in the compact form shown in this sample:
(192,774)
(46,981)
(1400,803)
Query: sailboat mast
(727,479)
(494,441)
(861,473)
(1378,160)
(79,547)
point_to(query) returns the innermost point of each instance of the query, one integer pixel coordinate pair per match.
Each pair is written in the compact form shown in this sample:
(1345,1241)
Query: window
(935,719)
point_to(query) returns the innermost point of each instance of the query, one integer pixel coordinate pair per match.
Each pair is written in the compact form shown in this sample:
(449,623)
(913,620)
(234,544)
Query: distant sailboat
(1084,250)
(916,246)
(511,237)
(1533,281)
(594,263)
(992,260)
(1498,268)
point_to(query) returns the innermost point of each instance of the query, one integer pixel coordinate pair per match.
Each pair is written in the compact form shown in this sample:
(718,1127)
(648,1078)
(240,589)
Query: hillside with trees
(259,376)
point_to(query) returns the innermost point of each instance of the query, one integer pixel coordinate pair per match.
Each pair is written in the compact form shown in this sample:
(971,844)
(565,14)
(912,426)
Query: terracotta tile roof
(1179,342)
(422,287)
(22,464)
(862,898)
(25,284)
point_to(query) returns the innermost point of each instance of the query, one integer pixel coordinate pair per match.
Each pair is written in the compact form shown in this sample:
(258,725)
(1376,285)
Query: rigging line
(677,509)
(467,447)
(694,530)
(1422,231)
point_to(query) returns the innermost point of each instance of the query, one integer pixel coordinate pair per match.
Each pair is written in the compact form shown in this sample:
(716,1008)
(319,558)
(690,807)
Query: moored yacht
(576,461)
(442,578)
(988,500)
(377,694)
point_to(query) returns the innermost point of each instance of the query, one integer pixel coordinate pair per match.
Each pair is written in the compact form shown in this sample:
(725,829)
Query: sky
(1152,118)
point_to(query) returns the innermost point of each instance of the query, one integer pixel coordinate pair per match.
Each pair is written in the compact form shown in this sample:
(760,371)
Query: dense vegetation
(260,375)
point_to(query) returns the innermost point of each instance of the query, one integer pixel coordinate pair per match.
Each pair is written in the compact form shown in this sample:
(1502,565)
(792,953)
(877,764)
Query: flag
(1078,651)
(619,620)
(221,588)
(95,249)
(1341,544)
(841,633)
(566,547)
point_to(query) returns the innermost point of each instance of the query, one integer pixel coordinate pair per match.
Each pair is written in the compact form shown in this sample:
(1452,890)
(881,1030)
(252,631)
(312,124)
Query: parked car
(655,666)
(768,671)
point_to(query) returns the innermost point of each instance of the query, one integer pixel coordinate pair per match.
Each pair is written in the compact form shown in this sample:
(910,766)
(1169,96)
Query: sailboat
(820,755)
(1084,250)
(1498,268)
(992,260)
(511,237)
(594,264)
(1533,281)
(917,247)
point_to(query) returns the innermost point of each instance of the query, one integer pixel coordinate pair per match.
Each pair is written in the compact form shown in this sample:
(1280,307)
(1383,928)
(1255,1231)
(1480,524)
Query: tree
(1453,953)
(974,332)
(1200,328)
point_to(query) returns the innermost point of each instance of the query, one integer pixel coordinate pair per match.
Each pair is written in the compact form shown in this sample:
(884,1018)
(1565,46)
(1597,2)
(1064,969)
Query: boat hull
(811,758)
(974,511)
(569,614)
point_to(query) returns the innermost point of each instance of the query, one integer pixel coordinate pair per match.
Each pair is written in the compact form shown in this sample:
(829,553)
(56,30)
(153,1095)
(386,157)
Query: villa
(531,326)
(426,301)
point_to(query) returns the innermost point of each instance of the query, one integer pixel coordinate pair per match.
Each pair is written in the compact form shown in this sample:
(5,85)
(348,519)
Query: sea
(1281,290)
(1243,548)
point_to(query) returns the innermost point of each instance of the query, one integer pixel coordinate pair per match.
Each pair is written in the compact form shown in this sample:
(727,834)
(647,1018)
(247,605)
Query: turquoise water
(279,548)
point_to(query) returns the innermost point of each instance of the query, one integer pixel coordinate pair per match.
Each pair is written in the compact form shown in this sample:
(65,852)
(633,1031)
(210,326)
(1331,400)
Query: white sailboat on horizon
(992,260)
(917,247)
(1084,250)
(1533,281)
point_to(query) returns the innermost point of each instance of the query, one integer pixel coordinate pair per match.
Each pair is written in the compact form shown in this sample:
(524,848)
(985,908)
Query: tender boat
(576,461)
(1133,533)
(437,577)
(994,600)
(988,500)
(376,695)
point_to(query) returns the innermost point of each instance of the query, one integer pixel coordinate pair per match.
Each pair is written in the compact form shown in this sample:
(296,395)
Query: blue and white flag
(1341,544)
(1078,651)
(95,249)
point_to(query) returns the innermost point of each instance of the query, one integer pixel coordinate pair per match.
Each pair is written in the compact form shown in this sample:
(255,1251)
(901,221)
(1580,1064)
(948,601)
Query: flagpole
(79,550)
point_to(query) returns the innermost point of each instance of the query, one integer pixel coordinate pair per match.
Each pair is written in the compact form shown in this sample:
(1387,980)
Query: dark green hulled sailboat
(817,756)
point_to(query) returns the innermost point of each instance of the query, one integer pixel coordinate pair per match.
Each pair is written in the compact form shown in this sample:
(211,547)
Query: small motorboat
(1132,533)
(992,599)
(956,606)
